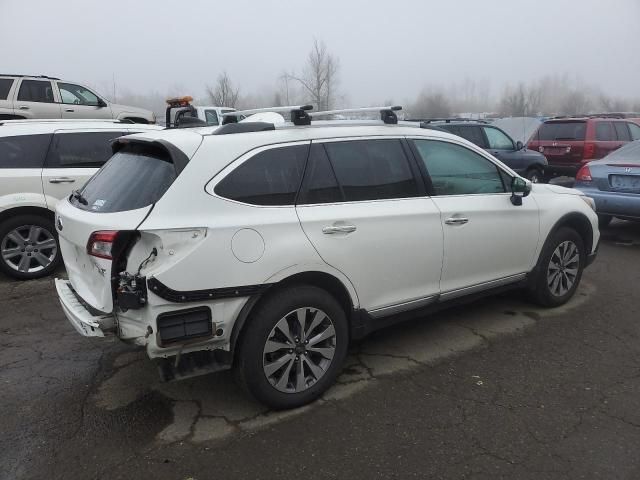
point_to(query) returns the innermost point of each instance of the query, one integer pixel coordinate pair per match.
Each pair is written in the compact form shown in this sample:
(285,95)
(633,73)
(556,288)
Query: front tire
(559,268)
(293,347)
(28,247)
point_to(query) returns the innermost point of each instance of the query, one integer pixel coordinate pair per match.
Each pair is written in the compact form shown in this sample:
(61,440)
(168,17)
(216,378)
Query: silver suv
(24,97)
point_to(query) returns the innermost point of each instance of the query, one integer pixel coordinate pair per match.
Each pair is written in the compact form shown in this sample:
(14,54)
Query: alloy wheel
(299,350)
(28,248)
(563,268)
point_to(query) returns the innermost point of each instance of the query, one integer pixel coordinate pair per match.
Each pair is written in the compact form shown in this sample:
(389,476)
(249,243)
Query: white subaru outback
(267,249)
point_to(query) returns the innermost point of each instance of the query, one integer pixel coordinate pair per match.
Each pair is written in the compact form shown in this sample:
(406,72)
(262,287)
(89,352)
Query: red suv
(570,142)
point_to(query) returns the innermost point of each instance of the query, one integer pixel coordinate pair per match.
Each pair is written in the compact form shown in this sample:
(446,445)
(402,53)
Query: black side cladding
(182,296)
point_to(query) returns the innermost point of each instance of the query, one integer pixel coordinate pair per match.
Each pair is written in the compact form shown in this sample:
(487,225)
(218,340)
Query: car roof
(34,127)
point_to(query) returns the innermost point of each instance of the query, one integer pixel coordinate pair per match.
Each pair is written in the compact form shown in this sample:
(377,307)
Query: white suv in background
(269,249)
(24,97)
(40,163)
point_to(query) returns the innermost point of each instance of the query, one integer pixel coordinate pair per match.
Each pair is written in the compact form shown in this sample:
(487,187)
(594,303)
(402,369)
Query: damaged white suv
(267,249)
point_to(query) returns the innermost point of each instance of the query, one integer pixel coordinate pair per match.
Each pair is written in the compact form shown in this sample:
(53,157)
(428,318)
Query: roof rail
(63,120)
(244,127)
(387,113)
(447,120)
(30,76)
(298,114)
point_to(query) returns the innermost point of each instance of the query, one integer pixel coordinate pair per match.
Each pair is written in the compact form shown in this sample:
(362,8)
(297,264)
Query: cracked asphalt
(495,389)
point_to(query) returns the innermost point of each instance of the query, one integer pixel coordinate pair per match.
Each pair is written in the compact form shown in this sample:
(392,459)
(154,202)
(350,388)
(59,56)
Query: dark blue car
(614,184)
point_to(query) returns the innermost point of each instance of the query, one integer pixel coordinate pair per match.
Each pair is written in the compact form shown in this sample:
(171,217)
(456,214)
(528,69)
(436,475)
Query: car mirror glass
(520,188)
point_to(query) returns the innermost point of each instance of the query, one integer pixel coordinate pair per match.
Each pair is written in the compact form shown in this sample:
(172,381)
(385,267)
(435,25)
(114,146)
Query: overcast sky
(387,49)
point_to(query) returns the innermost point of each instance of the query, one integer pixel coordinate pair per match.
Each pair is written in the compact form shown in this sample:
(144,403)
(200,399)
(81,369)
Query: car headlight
(589,201)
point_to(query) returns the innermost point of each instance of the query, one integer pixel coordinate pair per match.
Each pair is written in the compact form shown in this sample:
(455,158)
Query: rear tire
(29,247)
(604,221)
(282,365)
(559,268)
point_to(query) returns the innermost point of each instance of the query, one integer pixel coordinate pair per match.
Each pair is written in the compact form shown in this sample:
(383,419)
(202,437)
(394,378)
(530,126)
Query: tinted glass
(635,131)
(456,170)
(81,149)
(372,169)
(133,178)
(320,184)
(271,177)
(211,117)
(562,131)
(36,91)
(604,132)
(474,135)
(5,86)
(497,139)
(622,132)
(25,151)
(77,95)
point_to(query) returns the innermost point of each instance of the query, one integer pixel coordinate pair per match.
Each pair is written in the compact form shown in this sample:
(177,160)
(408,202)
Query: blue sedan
(614,184)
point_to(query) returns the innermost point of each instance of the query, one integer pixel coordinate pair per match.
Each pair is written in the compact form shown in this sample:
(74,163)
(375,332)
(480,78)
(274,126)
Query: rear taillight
(584,174)
(100,244)
(589,150)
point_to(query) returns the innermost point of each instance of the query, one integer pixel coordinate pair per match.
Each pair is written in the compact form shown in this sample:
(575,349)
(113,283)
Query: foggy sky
(387,49)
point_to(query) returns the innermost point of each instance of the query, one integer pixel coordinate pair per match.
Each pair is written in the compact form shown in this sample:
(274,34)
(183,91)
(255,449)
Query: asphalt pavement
(495,389)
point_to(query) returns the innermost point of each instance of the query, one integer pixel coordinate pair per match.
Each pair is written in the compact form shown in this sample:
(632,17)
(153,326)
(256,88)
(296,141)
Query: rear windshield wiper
(78,196)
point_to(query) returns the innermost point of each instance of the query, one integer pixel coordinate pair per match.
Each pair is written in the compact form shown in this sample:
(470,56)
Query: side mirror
(519,145)
(520,188)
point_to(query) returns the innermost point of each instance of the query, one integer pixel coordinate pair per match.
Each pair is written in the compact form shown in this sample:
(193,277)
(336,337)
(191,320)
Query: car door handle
(69,110)
(456,221)
(62,180)
(331,229)
(23,107)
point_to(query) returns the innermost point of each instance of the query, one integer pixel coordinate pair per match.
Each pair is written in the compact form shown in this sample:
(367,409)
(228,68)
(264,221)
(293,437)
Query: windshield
(133,178)
(562,131)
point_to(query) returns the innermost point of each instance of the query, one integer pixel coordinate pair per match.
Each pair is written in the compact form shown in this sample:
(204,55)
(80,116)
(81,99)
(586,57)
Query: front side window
(81,149)
(5,86)
(77,95)
(211,117)
(622,132)
(36,91)
(372,169)
(23,151)
(456,170)
(604,132)
(320,184)
(271,177)
(497,139)
(635,131)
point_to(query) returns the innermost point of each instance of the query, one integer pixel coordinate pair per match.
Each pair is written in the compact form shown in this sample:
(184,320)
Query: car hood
(116,107)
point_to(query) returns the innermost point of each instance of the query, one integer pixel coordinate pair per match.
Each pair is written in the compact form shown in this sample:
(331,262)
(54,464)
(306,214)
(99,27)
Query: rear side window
(456,170)
(36,91)
(135,177)
(24,151)
(271,177)
(569,131)
(604,132)
(372,169)
(81,149)
(5,86)
(622,132)
(474,135)
(320,183)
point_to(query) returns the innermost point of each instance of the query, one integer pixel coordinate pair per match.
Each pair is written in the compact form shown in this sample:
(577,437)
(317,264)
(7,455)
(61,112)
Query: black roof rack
(30,76)
(387,113)
(298,114)
(244,127)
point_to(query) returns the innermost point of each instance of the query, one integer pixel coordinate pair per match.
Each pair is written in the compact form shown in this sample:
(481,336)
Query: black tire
(6,243)
(604,221)
(540,290)
(535,175)
(249,368)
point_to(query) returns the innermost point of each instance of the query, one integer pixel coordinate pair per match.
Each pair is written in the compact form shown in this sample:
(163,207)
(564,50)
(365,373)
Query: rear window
(135,177)
(23,151)
(5,86)
(81,149)
(562,131)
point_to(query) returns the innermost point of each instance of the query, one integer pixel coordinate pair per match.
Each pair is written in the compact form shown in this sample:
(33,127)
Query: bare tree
(431,104)
(320,77)
(223,94)
(576,102)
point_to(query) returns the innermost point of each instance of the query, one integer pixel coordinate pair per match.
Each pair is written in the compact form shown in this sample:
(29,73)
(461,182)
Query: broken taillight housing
(100,244)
